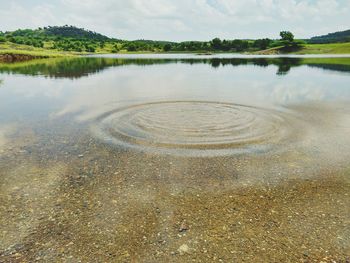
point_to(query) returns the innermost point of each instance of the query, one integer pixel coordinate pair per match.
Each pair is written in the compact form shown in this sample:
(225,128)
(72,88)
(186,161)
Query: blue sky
(181,19)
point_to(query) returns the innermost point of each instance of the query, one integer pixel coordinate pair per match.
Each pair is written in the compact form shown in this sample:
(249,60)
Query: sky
(179,20)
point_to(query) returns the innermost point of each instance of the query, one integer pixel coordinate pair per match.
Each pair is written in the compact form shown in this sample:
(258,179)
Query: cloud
(17,15)
(183,19)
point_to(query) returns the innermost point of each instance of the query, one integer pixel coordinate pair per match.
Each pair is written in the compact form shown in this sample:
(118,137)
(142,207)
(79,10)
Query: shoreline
(22,56)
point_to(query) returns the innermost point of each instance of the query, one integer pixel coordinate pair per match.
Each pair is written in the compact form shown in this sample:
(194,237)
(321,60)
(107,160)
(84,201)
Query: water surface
(175,158)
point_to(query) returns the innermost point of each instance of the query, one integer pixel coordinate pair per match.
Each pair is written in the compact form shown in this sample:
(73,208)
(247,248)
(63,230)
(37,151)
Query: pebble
(183,249)
(183,227)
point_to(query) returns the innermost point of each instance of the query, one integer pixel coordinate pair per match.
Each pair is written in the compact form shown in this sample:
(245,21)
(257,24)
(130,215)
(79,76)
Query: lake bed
(180,158)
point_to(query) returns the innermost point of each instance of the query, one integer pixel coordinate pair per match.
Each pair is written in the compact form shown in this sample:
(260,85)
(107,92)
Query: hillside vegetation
(68,40)
(341,36)
(73,32)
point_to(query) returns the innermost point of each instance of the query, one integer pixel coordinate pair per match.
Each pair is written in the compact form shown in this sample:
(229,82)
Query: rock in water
(183,249)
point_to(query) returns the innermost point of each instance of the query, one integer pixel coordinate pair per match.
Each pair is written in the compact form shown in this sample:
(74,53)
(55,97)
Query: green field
(311,49)
(334,48)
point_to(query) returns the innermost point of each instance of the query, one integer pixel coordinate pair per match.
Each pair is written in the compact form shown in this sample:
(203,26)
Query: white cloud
(183,19)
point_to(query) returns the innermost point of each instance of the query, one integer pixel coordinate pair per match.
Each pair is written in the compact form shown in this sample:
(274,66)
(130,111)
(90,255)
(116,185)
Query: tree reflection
(73,68)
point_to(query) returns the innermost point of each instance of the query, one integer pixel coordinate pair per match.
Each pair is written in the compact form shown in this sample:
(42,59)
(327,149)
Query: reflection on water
(175,159)
(80,67)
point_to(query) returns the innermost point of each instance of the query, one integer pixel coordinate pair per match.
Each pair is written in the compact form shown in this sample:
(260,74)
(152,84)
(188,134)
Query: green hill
(337,37)
(73,32)
(58,32)
(61,38)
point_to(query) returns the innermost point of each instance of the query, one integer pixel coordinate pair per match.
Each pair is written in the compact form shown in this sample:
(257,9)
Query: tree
(115,50)
(27,42)
(167,47)
(240,45)
(216,43)
(262,43)
(37,43)
(90,49)
(225,45)
(287,37)
(131,47)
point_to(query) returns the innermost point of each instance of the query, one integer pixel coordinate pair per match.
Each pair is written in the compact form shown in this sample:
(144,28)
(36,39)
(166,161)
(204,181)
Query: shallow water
(175,158)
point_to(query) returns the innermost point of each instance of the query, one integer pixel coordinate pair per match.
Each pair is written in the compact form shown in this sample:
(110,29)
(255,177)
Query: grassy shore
(312,49)
(335,48)
(8,48)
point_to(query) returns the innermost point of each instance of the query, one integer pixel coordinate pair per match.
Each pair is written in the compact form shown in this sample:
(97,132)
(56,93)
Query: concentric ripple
(194,125)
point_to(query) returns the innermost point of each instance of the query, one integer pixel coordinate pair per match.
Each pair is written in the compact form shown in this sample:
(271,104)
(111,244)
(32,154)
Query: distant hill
(341,36)
(74,32)
(60,31)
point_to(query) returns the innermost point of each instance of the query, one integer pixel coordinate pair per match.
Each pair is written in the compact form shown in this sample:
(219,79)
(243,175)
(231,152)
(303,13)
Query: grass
(11,48)
(335,48)
(46,52)
(312,49)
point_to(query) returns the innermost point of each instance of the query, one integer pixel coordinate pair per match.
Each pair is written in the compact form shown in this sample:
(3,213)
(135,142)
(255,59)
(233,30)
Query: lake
(175,158)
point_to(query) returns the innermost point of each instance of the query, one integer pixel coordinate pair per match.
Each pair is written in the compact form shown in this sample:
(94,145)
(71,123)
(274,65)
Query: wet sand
(74,199)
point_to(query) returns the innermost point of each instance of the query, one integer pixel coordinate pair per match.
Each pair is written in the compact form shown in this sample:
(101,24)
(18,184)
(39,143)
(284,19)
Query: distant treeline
(70,38)
(215,45)
(337,37)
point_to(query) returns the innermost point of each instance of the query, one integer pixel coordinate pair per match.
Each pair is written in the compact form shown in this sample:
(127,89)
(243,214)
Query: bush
(131,47)
(262,43)
(299,42)
(28,42)
(167,47)
(90,49)
(11,39)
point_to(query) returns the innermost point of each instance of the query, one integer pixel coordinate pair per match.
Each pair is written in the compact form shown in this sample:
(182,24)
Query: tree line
(336,37)
(69,38)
